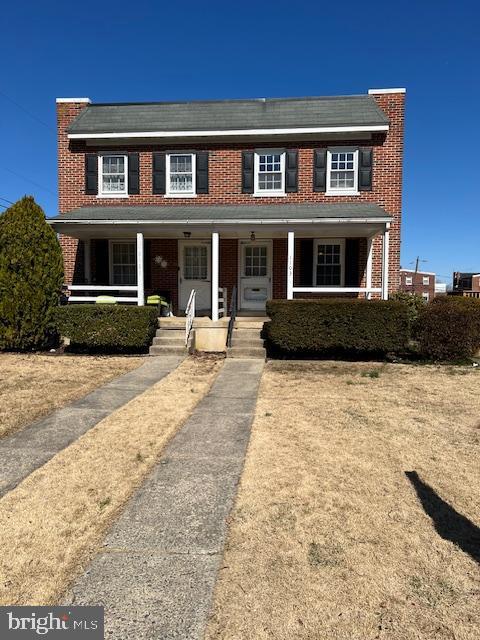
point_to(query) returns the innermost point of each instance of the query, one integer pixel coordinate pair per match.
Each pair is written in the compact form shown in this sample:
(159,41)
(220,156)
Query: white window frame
(408,281)
(110,258)
(339,241)
(342,192)
(183,194)
(426,280)
(263,193)
(426,296)
(111,194)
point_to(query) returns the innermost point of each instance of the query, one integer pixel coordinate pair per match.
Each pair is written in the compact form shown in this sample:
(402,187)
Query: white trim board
(286,221)
(227,132)
(66,100)
(374,92)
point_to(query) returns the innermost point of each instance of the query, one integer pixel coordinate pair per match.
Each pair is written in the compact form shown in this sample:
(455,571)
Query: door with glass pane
(255,274)
(194,273)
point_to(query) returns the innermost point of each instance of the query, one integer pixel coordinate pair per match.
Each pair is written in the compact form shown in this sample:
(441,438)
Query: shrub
(95,328)
(337,326)
(31,277)
(414,303)
(449,328)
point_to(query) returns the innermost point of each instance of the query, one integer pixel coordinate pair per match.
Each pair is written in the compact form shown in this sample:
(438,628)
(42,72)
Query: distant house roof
(229,115)
(240,213)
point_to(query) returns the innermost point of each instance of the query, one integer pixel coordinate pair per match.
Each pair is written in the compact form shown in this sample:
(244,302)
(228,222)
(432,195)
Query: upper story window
(408,280)
(269,173)
(329,260)
(180,174)
(342,171)
(426,280)
(112,177)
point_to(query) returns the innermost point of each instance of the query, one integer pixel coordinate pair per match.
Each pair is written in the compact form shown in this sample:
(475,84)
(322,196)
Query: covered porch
(134,254)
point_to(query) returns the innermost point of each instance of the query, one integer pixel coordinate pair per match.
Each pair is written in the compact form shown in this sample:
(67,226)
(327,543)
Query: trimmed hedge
(338,326)
(95,328)
(449,328)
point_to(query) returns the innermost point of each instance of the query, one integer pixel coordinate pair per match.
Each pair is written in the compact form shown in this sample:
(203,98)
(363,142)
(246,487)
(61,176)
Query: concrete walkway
(156,573)
(26,450)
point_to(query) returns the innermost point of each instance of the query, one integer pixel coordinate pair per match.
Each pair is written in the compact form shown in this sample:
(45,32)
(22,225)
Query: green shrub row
(94,328)
(338,326)
(447,329)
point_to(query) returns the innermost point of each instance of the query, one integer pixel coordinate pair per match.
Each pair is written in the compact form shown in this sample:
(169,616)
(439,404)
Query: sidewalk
(26,450)
(157,571)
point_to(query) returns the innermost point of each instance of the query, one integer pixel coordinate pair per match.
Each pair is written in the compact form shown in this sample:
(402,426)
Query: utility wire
(5,200)
(29,113)
(28,180)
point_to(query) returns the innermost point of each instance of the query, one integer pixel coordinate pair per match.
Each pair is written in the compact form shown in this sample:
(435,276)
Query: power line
(22,108)
(5,200)
(19,175)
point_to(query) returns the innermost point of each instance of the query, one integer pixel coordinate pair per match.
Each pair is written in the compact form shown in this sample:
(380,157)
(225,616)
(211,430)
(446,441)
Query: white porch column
(86,261)
(215,261)
(368,270)
(290,263)
(385,255)
(140,283)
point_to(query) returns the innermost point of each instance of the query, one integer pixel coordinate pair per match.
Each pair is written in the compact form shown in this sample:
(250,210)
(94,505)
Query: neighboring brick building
(278,197)
(421,283)
(466,283)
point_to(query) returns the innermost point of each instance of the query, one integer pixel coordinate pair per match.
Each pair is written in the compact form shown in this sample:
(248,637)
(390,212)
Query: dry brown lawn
(56,518)
(329,539)
(32,385)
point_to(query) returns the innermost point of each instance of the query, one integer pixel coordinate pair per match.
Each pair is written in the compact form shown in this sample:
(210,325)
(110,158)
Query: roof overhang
(229,132)
(282,221)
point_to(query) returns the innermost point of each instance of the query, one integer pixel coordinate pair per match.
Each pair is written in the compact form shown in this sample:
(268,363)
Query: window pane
(270,172)
(181,173)
(124,263)
(195,263)
(113,174)
(329,270)
(342,170)
(255,261)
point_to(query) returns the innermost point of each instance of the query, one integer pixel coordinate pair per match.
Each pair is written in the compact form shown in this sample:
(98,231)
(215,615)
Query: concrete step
(178,325)
(249,324)
(246,341)
(170,341)
(171,333)
(160,350)
(246,352)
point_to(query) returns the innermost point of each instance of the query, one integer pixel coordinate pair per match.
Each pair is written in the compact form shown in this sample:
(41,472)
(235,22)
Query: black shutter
(306,262)
(91,174)
(291,171)
(158,172)
(133,174)
(247,172)
(319,169)
(202,172)
(102,262)
(147,264)
(352,256)
(365,166)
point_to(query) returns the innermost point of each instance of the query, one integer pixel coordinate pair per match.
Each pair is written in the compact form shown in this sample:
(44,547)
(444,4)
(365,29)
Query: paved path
(156,573)
(26,450)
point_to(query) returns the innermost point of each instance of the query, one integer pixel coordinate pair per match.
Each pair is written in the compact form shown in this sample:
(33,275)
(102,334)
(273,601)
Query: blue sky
(134,51)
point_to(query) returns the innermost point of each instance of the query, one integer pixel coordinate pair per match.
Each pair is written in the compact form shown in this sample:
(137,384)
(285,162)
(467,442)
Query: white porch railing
(222,301)
(103,289)
(190,315)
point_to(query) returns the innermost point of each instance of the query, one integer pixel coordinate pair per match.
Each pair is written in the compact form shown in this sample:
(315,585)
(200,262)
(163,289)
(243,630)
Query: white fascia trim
(62,100)
(227,132)
(427,273)
(220,222)
(375,92)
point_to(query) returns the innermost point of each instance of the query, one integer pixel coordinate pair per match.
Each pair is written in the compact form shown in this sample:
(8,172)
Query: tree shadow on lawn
(449,524)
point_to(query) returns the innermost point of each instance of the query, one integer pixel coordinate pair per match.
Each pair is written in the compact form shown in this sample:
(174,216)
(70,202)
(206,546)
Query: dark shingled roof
(219,213)
(271,113)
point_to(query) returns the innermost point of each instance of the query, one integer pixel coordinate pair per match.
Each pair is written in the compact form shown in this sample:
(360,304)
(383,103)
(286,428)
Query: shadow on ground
(449,524)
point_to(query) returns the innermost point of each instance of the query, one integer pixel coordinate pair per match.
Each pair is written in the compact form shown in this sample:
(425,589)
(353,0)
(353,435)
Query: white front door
(194,273)
(255,274)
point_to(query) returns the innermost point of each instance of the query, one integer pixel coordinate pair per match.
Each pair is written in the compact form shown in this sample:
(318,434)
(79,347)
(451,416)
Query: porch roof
(263,214)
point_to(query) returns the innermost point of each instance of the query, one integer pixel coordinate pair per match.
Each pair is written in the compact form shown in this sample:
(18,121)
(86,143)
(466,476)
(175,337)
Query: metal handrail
(190,315)
(233,316)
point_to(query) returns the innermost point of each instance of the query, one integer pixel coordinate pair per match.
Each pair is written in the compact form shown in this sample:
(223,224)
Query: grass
(329,537)
(32,385)
(56,518)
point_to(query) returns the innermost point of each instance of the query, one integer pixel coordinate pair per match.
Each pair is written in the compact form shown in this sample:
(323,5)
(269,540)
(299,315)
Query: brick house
(421,283)
(279,198)
(466,283)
